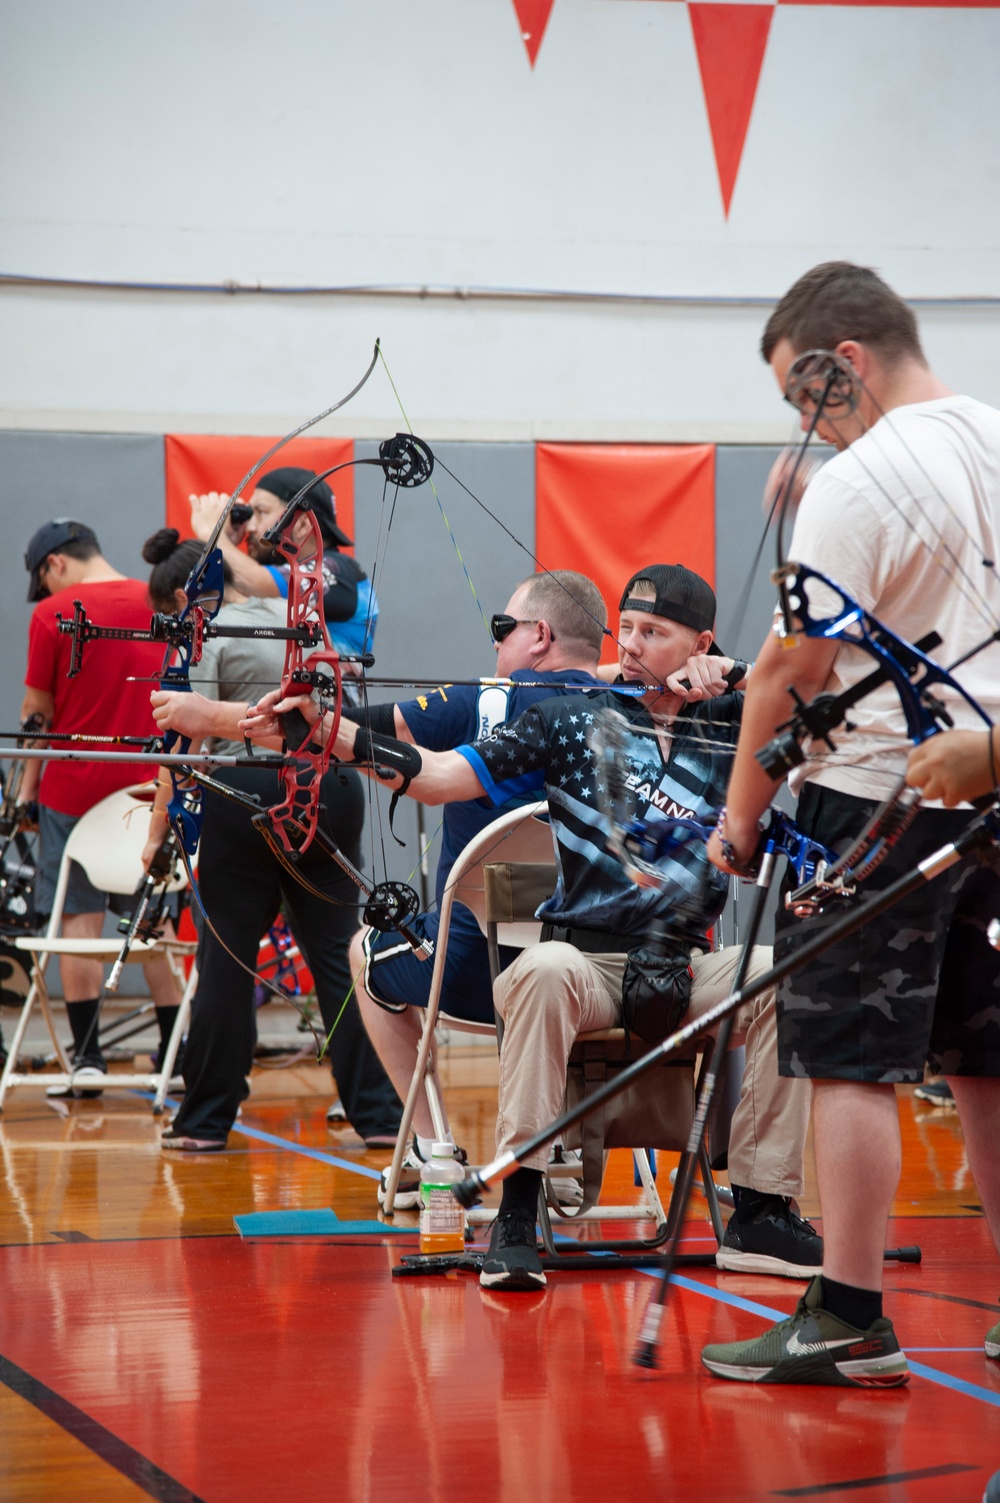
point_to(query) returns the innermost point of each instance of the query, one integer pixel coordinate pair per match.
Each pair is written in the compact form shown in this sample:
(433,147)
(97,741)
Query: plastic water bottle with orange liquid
(442,1219)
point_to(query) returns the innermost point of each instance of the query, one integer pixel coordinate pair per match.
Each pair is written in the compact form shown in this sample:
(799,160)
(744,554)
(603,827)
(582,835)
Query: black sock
(83,1020)
(166,1017)
(860,1308)
(520,1193)
(750,1203)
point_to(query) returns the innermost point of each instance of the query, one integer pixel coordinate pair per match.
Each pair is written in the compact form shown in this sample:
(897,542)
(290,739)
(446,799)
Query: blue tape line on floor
(288,1145)
(308,1153)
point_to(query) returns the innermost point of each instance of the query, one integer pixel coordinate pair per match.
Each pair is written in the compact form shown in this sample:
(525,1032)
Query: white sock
(424,1145)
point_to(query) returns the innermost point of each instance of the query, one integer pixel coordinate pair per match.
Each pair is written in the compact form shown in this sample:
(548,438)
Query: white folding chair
(519,836)
(107,842)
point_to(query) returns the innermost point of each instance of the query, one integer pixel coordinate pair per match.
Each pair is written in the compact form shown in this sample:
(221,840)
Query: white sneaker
(407,1196)
(336,1113)
(86,1080)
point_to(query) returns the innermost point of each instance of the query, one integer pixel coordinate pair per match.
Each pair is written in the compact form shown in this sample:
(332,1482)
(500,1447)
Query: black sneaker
(937,1092)
(770,1238)
(512,1260)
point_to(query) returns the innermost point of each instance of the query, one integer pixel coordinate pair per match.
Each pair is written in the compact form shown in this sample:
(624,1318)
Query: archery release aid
(442,1220)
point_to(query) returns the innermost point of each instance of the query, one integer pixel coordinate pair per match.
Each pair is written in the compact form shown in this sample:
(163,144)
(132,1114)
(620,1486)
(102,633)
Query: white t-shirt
(907,521)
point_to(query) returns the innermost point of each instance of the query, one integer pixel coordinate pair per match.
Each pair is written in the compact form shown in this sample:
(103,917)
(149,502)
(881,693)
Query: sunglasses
(501,626)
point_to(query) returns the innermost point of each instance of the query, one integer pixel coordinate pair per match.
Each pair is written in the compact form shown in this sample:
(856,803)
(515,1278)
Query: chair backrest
(516,837)
(108,841)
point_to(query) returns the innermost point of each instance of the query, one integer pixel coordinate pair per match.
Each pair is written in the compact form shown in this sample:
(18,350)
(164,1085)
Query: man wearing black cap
(678,738)
(65,563)
(349,603)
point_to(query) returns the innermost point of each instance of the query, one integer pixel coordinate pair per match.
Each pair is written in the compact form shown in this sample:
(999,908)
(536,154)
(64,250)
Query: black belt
(592,941)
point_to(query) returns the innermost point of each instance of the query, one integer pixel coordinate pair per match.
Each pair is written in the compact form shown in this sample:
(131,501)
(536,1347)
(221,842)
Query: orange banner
(608,509)
(196,463)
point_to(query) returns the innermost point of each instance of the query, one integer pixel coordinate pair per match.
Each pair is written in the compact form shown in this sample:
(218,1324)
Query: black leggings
(241,884)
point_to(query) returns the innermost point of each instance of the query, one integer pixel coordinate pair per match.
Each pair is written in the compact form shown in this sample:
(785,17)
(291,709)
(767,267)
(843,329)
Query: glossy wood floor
(147,1351)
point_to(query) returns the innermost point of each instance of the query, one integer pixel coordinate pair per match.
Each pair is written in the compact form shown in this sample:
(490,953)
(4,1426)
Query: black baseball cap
(50,539)
(287,482)
(681,595)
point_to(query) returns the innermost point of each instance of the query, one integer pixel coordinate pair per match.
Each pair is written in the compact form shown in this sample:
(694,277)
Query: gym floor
(147,1350)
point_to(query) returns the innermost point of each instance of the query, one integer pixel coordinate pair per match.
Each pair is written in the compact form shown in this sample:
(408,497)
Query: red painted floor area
(300,1369)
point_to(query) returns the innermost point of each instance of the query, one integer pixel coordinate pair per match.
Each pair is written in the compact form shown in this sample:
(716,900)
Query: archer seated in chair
(548,642)
(678,752)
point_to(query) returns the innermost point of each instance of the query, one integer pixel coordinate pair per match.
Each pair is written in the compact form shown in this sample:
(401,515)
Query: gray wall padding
(113,482)
(430,625)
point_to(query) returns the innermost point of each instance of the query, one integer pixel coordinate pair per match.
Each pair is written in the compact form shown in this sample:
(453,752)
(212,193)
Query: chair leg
(417,1084)
(640,1157)
(711,1192)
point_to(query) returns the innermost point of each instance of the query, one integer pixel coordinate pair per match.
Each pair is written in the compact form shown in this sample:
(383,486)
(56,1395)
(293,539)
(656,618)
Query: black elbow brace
(386,752)
(378,718)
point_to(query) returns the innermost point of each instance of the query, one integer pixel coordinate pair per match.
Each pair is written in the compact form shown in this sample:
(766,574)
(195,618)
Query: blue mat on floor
(321,1222)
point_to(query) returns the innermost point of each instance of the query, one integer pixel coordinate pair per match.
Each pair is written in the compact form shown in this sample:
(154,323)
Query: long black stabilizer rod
(706,1109)
(981,833)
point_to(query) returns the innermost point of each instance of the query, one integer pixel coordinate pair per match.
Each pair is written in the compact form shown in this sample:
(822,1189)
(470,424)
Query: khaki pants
(554,991)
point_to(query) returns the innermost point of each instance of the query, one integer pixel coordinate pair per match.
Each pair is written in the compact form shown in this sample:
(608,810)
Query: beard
(263,553)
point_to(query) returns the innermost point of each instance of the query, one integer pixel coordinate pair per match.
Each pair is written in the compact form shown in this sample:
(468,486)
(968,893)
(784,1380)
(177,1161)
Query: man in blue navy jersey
(548,641)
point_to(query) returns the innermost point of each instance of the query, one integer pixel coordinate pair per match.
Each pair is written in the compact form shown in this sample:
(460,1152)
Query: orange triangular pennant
(533,17)
(730,42)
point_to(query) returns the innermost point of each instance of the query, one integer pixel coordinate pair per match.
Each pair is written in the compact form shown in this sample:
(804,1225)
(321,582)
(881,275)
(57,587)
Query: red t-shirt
(98,699)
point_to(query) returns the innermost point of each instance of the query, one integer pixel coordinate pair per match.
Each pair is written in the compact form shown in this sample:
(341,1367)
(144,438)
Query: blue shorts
(396,979)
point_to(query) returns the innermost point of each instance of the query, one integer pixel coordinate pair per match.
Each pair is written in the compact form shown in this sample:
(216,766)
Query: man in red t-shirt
(65,562)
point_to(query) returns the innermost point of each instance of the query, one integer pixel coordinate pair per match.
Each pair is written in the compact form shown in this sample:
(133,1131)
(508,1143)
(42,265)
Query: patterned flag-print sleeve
(511,763)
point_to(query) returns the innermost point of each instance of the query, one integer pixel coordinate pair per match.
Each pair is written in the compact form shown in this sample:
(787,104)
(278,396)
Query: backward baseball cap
(287,482)
(680,595)
(50,539)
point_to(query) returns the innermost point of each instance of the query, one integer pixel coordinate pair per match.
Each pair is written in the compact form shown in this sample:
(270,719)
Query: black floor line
(117,1453)
(821,1489)
(950,1299)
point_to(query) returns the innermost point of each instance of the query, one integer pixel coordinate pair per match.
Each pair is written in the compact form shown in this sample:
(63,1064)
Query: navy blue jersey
(451,716)
(545,752)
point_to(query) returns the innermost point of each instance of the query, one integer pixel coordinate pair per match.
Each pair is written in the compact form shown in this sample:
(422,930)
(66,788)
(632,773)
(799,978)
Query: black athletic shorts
(920,983)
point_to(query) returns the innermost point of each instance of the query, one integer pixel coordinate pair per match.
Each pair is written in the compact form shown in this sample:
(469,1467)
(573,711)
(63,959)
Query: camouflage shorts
(919,983)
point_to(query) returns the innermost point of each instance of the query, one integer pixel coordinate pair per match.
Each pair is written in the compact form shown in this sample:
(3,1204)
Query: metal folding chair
(107,842)
(519,836)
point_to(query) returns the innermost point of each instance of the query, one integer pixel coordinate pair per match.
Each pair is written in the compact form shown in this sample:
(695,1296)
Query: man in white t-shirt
(906,519)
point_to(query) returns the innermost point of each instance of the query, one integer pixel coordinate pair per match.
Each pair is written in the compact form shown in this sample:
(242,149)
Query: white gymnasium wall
(409,143)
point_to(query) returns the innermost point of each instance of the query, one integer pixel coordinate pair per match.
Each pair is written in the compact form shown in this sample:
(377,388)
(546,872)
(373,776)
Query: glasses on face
(501,626)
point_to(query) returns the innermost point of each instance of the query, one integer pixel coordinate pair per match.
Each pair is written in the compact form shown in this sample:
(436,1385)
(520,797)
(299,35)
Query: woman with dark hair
(241,884)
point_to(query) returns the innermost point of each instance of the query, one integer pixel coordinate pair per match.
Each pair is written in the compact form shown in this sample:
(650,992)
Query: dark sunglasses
(501,626)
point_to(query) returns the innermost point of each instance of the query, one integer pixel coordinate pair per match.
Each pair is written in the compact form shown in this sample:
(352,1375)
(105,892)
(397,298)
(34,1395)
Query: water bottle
(442,1220)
